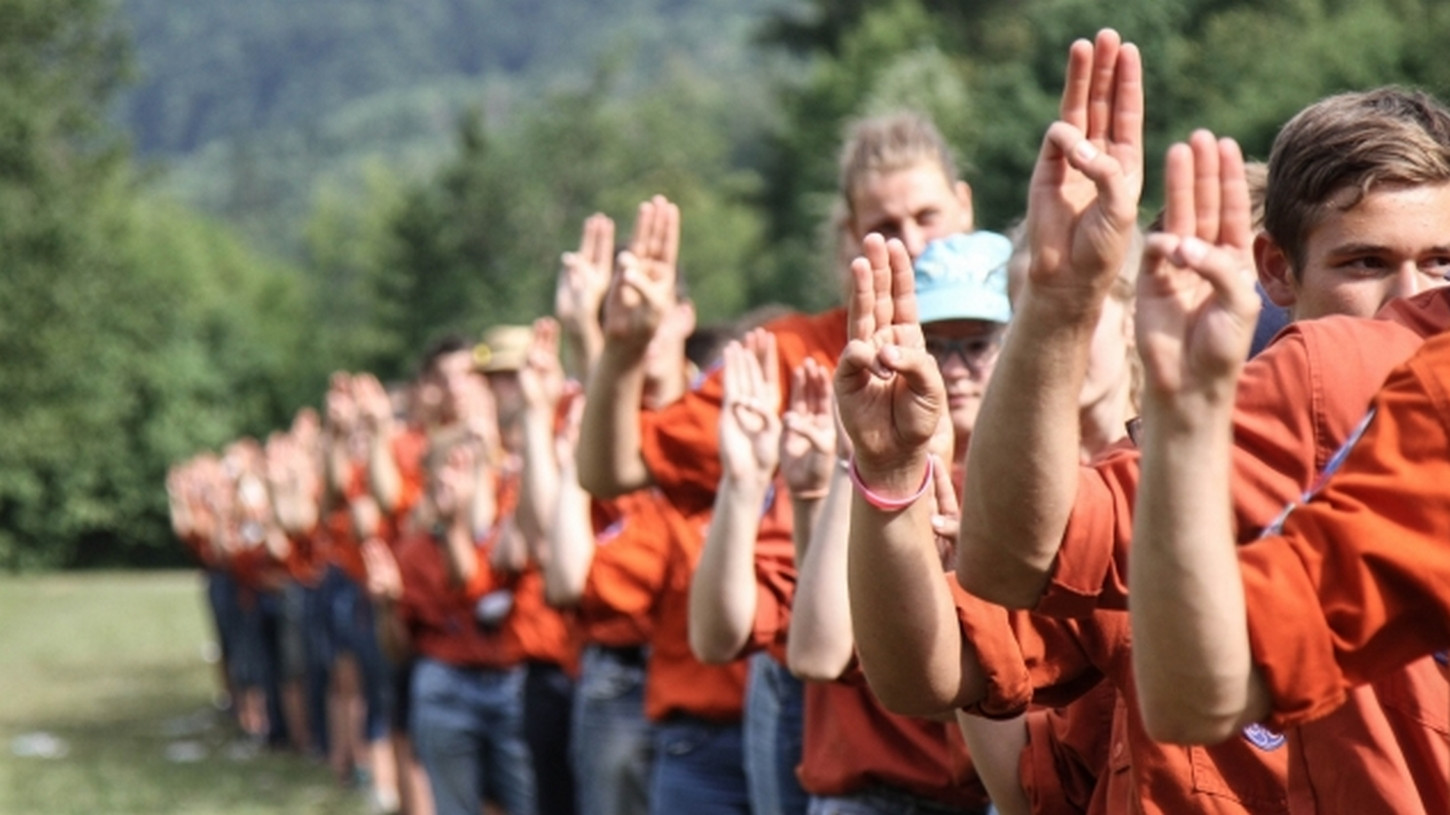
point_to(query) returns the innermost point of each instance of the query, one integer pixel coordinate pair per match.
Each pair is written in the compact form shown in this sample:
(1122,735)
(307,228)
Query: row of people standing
(921,503)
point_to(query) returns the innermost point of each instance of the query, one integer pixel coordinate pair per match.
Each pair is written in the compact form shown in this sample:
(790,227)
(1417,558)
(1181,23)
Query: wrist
(894,498)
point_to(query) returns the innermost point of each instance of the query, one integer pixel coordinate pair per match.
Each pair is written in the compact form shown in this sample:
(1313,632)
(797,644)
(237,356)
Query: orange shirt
(545,634)
(852,743)
(1067,660)
(632,543)
(1067,754)
(681,443)
(1357,584)
(440,618)
(675,681)
(1297,402)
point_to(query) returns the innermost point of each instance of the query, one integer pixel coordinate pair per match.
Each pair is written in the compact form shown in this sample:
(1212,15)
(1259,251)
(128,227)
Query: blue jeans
(699,769)
(774,727)
(468,732)
(548,701)
(883,801)
(611,746)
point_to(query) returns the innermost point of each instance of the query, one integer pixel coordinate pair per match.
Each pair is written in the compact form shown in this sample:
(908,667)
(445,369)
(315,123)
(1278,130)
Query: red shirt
(1297,402)
(1357,585)
(681,443)
(439,617)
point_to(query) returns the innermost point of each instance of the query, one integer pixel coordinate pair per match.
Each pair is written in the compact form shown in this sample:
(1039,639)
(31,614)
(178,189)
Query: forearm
(1022,468)
(723,588)
(907,635)
(610,463)
(822,639)
(582,350)
(539,486)
(384,479)
(1191,654)
(570,542)
(996,748)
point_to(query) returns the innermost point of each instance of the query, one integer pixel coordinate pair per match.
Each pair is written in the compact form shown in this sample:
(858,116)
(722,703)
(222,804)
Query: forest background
(206,206)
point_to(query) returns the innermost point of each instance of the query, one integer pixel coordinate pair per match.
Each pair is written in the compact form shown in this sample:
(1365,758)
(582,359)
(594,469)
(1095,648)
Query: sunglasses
(975,352)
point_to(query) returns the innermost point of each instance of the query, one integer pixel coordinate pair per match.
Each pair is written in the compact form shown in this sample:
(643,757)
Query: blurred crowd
(876,559)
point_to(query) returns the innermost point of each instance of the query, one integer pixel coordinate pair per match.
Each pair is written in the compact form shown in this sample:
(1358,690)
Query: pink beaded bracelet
(885,504)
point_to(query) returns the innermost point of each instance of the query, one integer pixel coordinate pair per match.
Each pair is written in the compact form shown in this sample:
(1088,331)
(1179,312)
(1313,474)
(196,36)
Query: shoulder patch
(1263,738)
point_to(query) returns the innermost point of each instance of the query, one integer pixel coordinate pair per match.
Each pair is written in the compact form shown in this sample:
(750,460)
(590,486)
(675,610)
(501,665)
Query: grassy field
(106,675)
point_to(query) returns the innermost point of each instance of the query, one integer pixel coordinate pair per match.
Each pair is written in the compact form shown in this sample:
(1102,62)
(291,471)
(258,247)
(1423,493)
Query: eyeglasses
(975,352)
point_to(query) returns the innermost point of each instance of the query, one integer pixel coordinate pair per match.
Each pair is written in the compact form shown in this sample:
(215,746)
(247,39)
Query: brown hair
(1353,141)
(890,142)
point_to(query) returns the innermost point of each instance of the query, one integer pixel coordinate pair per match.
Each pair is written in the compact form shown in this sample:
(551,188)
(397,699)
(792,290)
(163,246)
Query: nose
(1409,280)
(914,237)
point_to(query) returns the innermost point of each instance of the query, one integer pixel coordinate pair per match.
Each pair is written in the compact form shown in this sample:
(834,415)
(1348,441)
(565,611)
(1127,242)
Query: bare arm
(996,749)
(384,478)
(641,291)
(1082,205)
(385,587)
(891,401)
(822,639)
(1196,310)
(571,533)
(542,382)
(723,591)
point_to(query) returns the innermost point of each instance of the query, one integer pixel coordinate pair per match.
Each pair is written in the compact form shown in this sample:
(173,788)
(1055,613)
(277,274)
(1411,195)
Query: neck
(663,390)
(1105,421)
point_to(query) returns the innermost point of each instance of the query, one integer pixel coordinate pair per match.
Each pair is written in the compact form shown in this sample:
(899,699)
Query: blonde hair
(894,141)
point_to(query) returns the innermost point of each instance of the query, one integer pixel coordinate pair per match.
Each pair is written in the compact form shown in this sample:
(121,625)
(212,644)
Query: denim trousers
(774,730)
(884,801)
(699,768)
(548,701)
(611,747)
(467,728)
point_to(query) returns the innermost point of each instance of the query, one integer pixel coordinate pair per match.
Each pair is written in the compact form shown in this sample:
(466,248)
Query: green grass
(113,665)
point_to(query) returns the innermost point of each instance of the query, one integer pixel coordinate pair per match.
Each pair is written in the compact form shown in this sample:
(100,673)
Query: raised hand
(542,377)
(946,516)
(749,425)
(1083,200)
(373,403)
(340,406)
(643,286)
(1196,301)
(584,277)
(808,438)
(888,389)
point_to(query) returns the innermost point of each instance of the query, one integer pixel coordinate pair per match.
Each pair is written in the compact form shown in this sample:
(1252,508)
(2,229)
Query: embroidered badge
(1263,738)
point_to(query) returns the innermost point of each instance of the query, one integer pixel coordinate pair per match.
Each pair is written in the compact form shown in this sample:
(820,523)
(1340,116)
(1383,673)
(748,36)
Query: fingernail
(938,521)
(1085,151)
(1192,249)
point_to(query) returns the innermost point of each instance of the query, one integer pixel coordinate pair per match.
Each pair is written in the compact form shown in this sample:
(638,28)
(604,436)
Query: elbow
(1005,581)
(1179,724)
(814,665)
(715,645)
(562,597)
(910,695)
(1188,710)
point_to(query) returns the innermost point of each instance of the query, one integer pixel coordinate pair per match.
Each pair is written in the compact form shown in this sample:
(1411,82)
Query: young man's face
(916,204)
(1394,243)
(451,382)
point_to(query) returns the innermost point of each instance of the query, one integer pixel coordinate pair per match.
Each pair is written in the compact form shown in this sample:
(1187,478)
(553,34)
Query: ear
(1276,273)
(963,191)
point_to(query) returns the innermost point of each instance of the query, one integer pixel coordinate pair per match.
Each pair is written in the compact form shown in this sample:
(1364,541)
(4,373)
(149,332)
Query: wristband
(883,503)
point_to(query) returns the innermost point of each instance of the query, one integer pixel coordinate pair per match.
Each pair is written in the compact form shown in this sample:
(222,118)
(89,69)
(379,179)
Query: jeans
(548,699)
(883,801)
(699,769)
(774,725)
(611,746)
(468,732)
